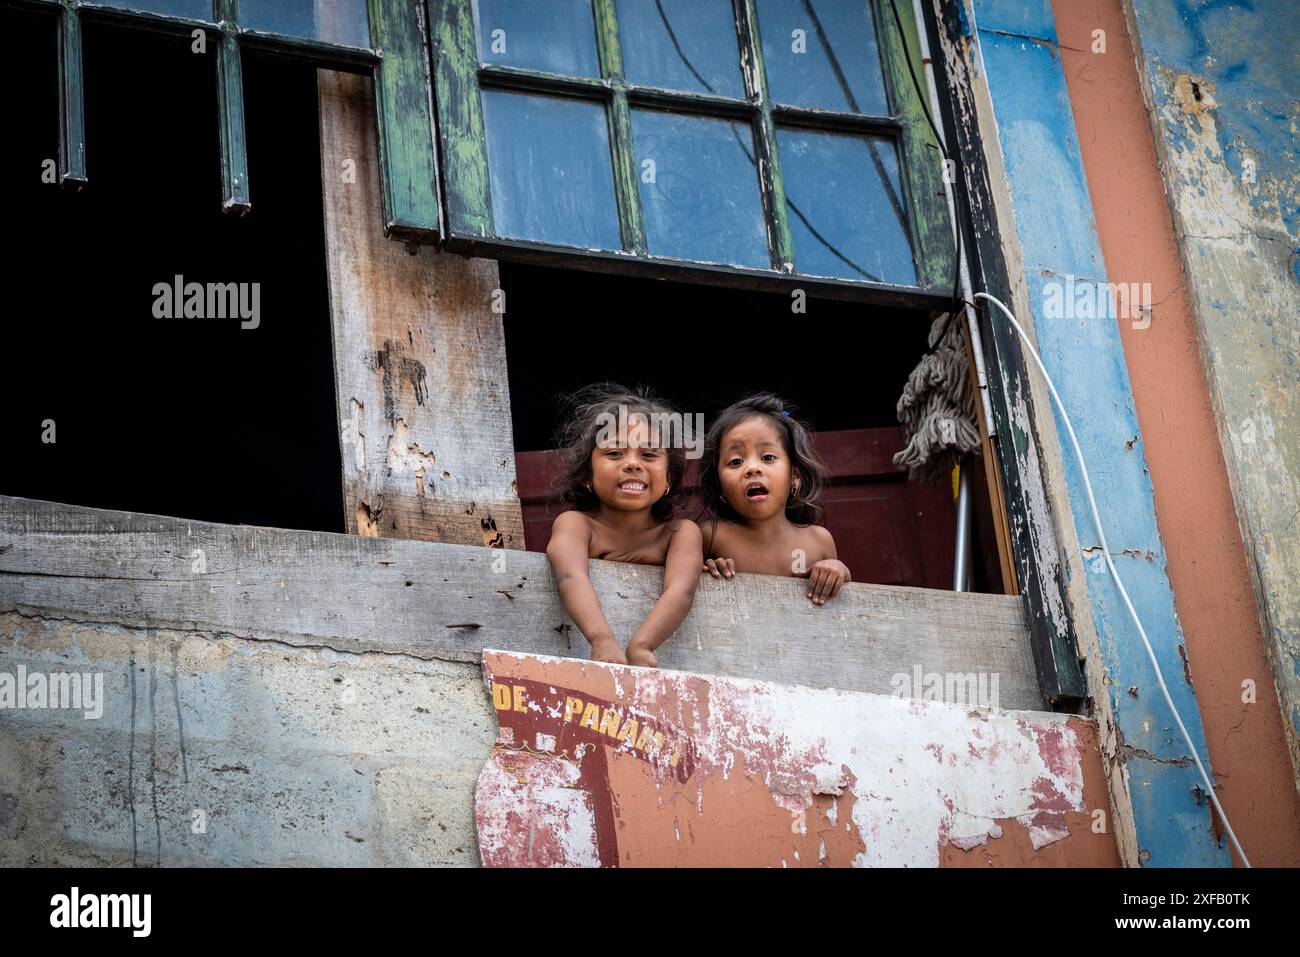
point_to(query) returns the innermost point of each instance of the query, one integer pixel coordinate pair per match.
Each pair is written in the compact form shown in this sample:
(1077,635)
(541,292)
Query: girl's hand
(641,656)
(608,650)
(720,567)
(825,580)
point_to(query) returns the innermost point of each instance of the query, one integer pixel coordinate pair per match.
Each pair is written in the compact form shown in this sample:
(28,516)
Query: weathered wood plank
(419,358)
(931,228)
(405,115)
(450,602)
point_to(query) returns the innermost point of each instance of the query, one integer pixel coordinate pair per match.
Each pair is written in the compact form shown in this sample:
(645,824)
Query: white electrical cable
(1105,551)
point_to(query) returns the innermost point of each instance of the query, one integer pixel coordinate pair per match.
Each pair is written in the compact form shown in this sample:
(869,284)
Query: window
(888,529)
(759,139)
(195,417)
(385,38)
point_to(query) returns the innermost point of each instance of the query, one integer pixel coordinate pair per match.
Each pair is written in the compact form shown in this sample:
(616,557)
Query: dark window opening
(193,417)
(842,364)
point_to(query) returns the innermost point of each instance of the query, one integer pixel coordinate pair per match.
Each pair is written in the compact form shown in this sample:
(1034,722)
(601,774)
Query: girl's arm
(826,577)
(568,549)
(713,564)
(681,575)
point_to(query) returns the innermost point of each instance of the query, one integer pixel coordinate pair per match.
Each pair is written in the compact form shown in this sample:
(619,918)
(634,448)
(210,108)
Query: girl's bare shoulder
(572,529)
(718,534)
(820,538)
(684,528)
(572,521)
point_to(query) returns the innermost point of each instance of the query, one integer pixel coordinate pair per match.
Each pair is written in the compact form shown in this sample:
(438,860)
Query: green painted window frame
(460,77)
(396,60)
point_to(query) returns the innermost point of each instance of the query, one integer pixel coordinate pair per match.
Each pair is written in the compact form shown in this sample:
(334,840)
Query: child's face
(754,469)
(629,474)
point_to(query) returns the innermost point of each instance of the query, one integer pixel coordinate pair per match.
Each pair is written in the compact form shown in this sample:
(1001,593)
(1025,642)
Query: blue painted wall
(1058,238)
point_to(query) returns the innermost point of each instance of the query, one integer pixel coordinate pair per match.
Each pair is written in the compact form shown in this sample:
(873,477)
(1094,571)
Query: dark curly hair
(576,438)
(803,507)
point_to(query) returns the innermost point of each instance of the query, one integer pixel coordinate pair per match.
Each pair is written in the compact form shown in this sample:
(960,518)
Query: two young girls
(761,482)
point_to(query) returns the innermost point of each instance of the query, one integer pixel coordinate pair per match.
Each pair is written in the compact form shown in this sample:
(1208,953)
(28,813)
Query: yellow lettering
(590,717)
(501,696)
(572,706)
(644,742)
(609,722)
(628,733)
(521,698)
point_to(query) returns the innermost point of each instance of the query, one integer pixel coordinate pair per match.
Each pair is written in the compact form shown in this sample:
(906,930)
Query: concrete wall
(318,698)
(214,749)
(1207,564)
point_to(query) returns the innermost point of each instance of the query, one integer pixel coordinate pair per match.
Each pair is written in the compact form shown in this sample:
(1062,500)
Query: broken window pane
(550,172)
(681,45)
(822,54)
(558,36)
(848,214)
(699,189)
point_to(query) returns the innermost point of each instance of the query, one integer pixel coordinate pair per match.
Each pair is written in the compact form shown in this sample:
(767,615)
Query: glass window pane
(822,54)
(555,35)
(681,45)
(699,189)
(549,168)
(190,9)
(847,212)
(335,21)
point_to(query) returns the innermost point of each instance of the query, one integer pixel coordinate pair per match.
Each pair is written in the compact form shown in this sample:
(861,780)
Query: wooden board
(419,358)
(434,600)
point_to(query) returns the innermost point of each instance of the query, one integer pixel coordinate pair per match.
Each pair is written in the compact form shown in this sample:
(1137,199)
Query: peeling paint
(367,523)
(406,457)
(749,773)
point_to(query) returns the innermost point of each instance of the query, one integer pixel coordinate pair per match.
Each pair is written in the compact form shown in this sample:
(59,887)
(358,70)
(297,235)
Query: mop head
(937,408)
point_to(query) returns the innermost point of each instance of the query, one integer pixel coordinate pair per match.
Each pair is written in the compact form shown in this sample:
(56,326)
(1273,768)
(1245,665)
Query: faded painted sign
(601,765)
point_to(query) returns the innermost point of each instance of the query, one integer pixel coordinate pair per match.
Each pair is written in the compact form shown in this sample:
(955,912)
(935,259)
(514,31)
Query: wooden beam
(419,358)
(449,602)
(992,478)
(405,114)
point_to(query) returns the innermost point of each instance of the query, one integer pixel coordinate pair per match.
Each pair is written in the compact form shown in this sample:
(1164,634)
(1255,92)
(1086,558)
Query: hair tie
(784,412)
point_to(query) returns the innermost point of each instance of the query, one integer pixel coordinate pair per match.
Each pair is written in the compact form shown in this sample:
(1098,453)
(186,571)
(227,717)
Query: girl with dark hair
(622,481)
(762,481)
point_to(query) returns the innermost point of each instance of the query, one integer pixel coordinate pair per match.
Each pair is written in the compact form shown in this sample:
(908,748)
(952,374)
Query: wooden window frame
(396,61)
(460,78)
